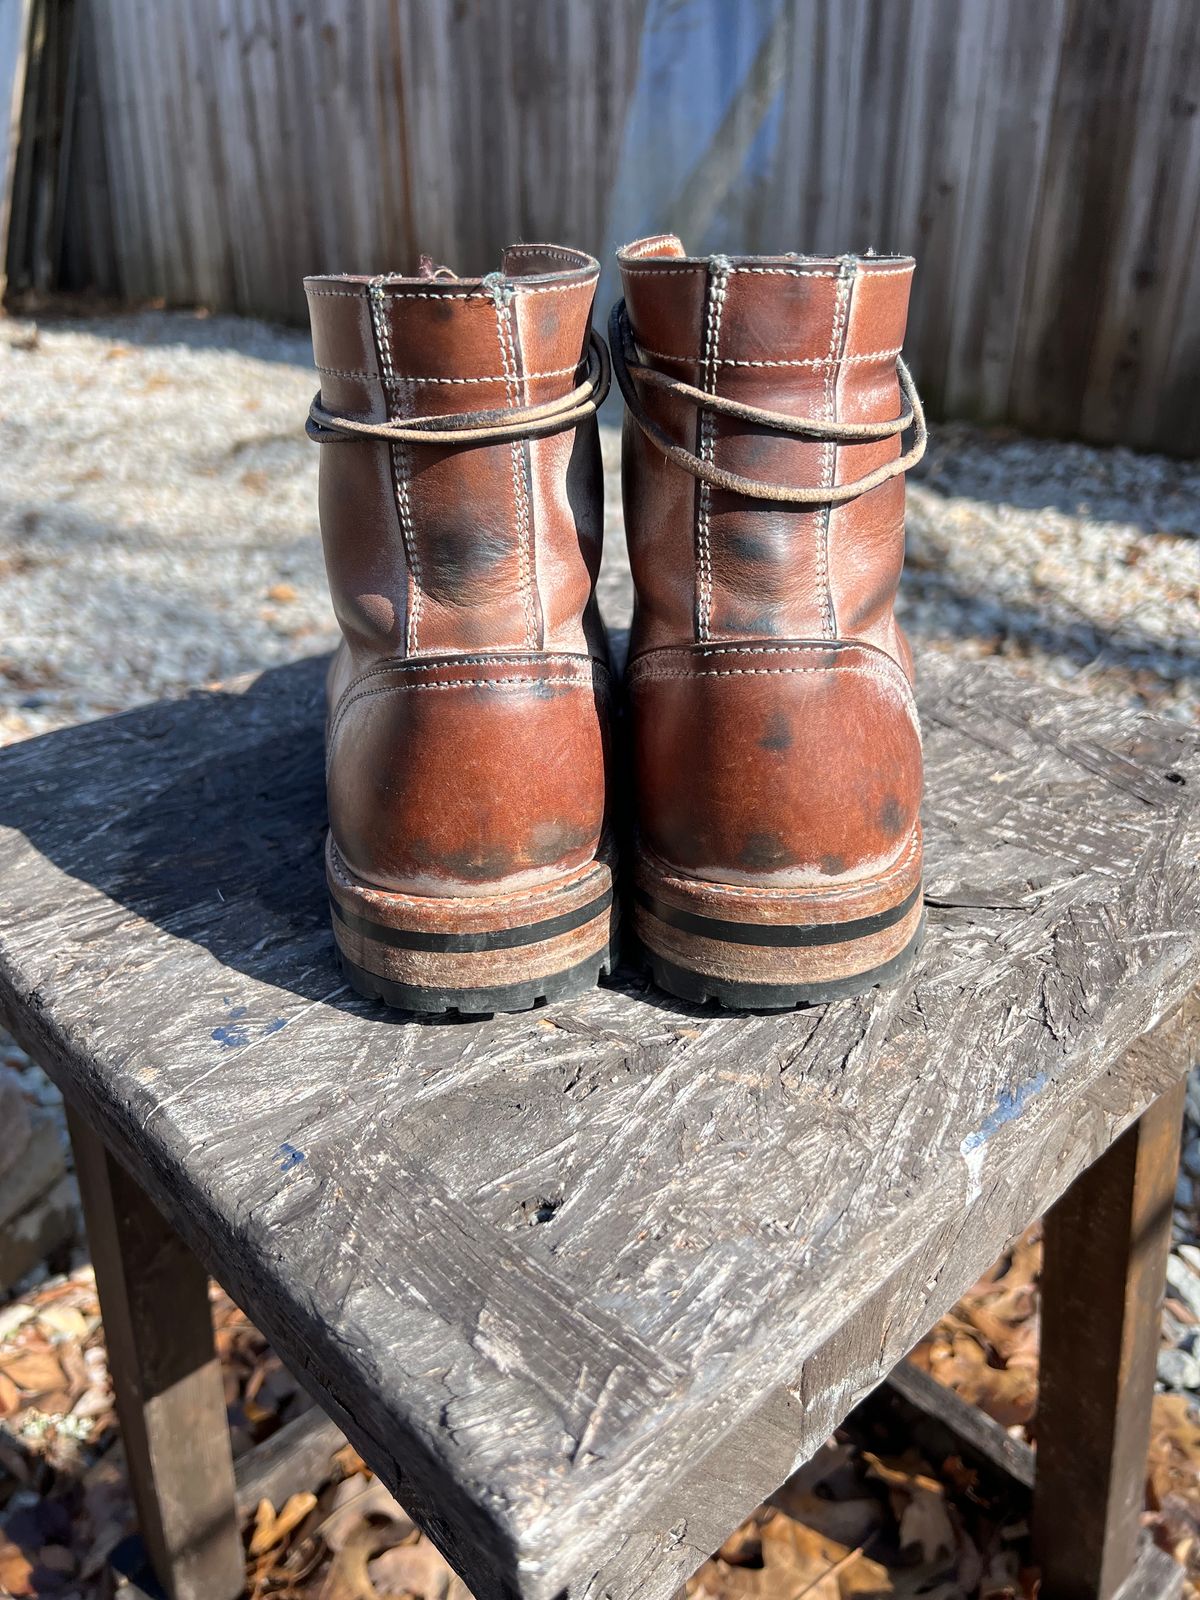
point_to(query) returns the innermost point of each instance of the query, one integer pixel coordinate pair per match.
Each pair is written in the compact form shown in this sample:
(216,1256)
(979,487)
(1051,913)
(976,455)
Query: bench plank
(583,1284)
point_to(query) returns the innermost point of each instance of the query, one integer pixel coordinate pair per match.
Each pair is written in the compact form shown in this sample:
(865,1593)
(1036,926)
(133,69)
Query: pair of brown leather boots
(477,748)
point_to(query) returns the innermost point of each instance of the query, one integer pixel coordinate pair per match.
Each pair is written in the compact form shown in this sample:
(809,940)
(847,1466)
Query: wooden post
(166,1378)
(1106,1246)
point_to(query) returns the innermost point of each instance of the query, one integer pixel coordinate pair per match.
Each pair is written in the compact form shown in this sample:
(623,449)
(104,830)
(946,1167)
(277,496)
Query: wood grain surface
(584,1284)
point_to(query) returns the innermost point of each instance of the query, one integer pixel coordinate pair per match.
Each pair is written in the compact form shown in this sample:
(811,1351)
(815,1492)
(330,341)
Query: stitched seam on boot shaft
(736,361)
(451,661)
(400,463)
(413,377)
(456,663)
(712,335)
(573,680)
(858,671)
(517,453)
(726,647)
(829,453)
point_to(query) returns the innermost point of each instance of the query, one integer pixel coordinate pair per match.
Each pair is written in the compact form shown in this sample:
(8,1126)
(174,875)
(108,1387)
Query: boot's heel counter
(469,775)
(792,765)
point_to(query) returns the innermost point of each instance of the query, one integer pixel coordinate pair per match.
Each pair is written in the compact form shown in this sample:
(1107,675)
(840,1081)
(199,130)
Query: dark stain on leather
(764,624)
(892,818)
(554,840)
(466,560)
(878,599)
(762,851)
(484,862)
(750,547)
(777,735)
(833,866)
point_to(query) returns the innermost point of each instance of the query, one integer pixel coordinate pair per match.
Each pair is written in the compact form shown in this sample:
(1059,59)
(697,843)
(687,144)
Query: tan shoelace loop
(477,427)
(628,368)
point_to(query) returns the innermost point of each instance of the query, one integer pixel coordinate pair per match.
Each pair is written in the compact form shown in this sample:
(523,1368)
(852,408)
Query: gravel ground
(158,531)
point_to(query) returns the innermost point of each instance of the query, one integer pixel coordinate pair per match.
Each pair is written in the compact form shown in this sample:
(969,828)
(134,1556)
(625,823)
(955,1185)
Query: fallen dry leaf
(10,1396)
(355,1501)
(36,1372)
(271,1529)
(16,1571)
(65,1320)
(918,1504)
(1174,1462)
(347,1578)
(417,1569)
(925,1525)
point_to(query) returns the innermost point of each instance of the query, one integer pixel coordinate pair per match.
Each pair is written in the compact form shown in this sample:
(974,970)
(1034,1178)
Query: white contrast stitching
(520,502)
(409,377)
(554,288)
(400,464)
(564,658)
(880,666)
(858,670)
(457,294)
(771,272)
(806,361)
(575,257)
(718,276)
(788,272)
(353,689)
(829,453)
(642,248)
(449,683)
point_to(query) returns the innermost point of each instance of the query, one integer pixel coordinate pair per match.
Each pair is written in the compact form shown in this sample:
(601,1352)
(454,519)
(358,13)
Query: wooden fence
(1041,158)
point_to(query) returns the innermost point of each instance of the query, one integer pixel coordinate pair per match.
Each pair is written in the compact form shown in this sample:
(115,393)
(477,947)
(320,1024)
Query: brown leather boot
(778,755)
(468,858)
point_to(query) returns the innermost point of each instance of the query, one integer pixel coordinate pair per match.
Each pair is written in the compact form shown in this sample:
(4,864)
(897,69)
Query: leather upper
(801,766)
(450,775)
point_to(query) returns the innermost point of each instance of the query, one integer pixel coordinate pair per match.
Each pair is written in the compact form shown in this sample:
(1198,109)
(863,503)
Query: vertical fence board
(1041,158)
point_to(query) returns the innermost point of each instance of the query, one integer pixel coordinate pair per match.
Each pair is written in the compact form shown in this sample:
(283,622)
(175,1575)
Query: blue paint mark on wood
(290,1157)
(1009,1105)
(233,1037)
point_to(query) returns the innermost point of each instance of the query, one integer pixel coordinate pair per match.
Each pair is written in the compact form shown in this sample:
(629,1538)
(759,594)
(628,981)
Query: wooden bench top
(584,1284)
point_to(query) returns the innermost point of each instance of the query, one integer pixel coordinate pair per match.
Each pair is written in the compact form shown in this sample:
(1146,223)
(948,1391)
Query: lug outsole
(700,988)
(426,1001)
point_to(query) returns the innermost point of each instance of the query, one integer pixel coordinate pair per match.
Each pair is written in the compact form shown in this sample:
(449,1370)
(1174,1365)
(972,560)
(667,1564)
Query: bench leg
(1106,1244)
(166,1379)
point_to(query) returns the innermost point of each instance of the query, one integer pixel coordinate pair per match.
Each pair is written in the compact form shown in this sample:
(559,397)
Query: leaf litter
(867,1517)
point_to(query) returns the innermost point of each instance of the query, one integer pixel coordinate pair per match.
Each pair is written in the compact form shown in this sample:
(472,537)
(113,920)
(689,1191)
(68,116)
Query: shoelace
(477,427)
(626,367)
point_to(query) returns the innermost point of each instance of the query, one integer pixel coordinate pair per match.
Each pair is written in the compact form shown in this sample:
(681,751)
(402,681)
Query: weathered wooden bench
(584,1285)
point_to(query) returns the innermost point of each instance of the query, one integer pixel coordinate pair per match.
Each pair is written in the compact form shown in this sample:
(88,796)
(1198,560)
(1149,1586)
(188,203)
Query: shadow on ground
(204,816)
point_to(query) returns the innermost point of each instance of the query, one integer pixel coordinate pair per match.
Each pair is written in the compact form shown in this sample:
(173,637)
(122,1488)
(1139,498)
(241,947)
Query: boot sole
(776,949)
(473,955)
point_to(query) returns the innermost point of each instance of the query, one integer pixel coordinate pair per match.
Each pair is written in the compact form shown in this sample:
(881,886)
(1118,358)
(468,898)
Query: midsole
(470,943)
(793,935)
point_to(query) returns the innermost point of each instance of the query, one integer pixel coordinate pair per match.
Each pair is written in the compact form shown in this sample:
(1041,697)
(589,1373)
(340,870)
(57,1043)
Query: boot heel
(772,949)
(473,955)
